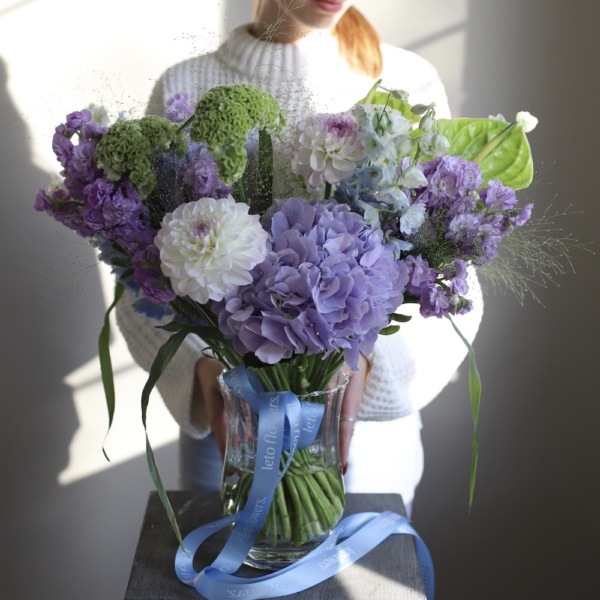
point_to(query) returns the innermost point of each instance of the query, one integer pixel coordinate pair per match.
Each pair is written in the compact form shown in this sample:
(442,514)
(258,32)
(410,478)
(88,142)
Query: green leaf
(501,149)
(400,318)
(160,363)
(389,330)
(106,369)
(475,394)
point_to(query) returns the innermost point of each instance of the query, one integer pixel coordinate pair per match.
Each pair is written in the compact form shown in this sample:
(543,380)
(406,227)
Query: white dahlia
(208,247)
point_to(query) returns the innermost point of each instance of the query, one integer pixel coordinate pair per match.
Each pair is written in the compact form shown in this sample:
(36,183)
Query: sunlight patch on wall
(126,439)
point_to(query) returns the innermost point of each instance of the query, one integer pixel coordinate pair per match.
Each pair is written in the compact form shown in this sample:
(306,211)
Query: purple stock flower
(116,213)
(178,108)
(58,203)
(420,275)
(200,175)
(450,178)
(148,275)
(329,284)
(435,299)
(76,120)
(458,277)
(62,146)
(82,165)
(435,302)
(524,215)
(497,196)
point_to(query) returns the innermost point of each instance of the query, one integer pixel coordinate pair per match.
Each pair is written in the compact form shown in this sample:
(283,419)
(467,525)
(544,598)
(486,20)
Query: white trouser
(386,457)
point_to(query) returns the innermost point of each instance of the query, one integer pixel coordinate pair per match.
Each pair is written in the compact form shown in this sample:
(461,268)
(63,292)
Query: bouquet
(394,207)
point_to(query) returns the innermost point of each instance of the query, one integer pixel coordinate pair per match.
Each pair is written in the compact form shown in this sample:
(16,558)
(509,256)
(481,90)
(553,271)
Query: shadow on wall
(50,289)
(50,294)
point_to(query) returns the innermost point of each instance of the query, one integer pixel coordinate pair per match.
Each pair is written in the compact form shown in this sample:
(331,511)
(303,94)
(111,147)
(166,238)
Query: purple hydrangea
(329,284)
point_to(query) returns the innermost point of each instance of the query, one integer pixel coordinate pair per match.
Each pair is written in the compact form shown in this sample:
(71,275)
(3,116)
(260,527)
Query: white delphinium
(208,247)
(384,132)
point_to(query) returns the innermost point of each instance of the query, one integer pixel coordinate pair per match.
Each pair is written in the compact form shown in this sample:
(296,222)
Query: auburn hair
(358,41)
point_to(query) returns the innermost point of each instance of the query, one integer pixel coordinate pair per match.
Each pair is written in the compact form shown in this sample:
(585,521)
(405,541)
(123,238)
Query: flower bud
(527,121)
(400,95)
(427,122)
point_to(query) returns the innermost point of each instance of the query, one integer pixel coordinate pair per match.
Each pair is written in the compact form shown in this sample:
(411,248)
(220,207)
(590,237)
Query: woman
(314,55)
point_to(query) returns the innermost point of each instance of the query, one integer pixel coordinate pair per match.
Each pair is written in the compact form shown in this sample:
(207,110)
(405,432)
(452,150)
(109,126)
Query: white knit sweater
(410,368)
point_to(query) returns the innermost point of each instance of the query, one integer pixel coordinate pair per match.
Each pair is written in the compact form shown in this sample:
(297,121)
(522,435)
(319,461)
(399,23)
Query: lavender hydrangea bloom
(328,284)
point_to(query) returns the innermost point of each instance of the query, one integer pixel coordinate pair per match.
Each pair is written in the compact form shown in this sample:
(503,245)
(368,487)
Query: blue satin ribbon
(284,422)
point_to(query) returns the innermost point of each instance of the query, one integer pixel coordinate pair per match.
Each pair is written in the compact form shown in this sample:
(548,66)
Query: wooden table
(389,571)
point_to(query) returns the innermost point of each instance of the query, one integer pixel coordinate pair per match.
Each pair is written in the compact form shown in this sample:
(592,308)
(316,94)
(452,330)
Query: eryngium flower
(208,247)
(328,285)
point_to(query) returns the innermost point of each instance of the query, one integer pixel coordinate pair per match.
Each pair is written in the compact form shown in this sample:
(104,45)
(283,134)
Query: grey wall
(533,531)
(534,528)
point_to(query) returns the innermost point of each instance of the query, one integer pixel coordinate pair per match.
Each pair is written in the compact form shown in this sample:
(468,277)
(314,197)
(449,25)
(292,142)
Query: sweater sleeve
(176,383)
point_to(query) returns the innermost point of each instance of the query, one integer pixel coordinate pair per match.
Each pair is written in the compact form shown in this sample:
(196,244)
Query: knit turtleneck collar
(255,57)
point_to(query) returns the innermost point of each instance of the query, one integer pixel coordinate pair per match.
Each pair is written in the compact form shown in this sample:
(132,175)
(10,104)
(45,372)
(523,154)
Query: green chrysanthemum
(128,147)
(223,118)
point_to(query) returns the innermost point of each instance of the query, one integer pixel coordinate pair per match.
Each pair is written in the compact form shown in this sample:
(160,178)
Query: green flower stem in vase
(308,502)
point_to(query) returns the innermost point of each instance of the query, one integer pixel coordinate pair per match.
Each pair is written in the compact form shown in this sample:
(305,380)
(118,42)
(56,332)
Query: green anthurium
(500,148)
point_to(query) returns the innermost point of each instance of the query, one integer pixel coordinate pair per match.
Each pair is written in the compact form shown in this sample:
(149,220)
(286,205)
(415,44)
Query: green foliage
(475,394)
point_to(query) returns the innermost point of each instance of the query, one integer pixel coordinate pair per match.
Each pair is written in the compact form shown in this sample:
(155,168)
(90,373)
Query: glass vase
(308,501)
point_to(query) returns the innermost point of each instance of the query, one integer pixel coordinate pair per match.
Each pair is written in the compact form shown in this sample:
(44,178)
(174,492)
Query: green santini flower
(223,118)
(128,148)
